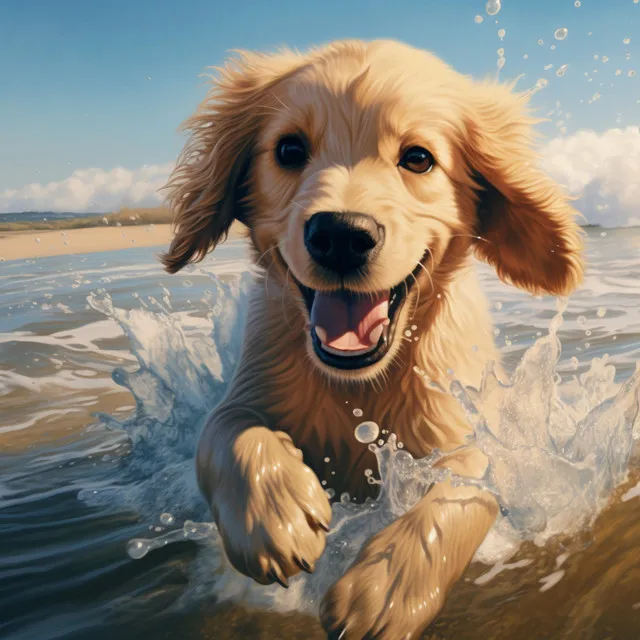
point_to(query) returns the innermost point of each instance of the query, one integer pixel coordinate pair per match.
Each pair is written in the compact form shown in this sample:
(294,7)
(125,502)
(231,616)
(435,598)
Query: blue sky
(105,84)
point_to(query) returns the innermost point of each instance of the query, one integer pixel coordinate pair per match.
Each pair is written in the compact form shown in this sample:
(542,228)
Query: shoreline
(29,245)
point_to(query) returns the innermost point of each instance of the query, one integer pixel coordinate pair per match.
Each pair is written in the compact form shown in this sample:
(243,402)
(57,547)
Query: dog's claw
(272,575)
(324,527)
(303,564)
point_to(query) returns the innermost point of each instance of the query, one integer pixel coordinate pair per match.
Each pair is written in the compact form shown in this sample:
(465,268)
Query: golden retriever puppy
(369,176)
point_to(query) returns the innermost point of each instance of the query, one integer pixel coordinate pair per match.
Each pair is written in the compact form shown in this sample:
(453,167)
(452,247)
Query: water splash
(556,448)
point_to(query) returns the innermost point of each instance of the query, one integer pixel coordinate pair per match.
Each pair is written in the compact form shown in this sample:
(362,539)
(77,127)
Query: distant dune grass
(125,218)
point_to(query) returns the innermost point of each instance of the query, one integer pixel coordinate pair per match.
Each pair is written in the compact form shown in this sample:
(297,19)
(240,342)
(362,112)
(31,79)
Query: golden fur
(261,454)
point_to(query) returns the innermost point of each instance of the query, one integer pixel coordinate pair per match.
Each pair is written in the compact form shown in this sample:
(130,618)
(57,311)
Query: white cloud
(89,190)
(602,168)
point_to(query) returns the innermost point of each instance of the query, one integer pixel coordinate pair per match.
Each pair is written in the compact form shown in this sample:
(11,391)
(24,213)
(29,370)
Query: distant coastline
(39,221)
(126,229)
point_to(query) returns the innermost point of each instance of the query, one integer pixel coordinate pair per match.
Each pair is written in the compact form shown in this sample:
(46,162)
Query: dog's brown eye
(417,160)
(291,152)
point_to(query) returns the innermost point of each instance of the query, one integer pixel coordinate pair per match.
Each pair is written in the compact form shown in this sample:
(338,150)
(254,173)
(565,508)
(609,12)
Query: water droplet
(577,3)
(493,7)
(167,519)
(587,345)
(605,59)
(498,305)
(137,549)
(496,332)
(500,52)
(407,333)
(367,431)
(414,327)
(357,413)
(618,72)
(327,459)
(502,33)
(626,40)
(632,73)
(601,312)
(479,19)
(561,71)
(526,56)
(603,234)
(561,33)
(541,42)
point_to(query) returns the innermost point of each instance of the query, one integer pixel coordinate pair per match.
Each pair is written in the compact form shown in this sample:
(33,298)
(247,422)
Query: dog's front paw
(391,592)
(271,510)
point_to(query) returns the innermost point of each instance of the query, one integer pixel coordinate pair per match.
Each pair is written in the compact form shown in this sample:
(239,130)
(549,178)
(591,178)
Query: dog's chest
(325,431)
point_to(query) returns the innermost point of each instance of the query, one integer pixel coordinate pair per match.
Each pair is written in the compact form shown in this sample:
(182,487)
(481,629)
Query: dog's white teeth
(321,333)
(376,334)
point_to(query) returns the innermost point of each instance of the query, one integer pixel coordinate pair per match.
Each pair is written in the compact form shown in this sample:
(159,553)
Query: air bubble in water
(601,312)
(501,62)
(493,7)
(541,83)
(541,42)
(357,413)
(167,519)
(562,70)
(500,52)
(561,33)
(502,33)
(626,41)
(367,431)
(618,72)
(575,363)
(605,59)
(632,73)
(479,19)
(581,320)
(577,3)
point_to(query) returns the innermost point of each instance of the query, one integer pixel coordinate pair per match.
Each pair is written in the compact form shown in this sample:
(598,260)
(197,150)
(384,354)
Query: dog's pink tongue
(347,322)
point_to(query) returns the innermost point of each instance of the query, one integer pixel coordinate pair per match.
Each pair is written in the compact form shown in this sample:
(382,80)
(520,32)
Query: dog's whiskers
(283,299)
(428,276)
(280,101)
(266,277)
(469,235)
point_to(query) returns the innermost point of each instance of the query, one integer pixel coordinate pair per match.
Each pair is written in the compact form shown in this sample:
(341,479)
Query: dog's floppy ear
(528,228)
(206,188)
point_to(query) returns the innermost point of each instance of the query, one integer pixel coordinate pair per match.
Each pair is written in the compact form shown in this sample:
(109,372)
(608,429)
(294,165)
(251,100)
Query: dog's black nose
(342,242)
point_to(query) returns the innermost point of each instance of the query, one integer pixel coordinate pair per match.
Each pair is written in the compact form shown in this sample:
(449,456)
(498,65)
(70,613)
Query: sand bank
(21,245)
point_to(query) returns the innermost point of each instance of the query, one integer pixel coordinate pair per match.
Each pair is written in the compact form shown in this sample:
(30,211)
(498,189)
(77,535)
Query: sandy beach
(22,245)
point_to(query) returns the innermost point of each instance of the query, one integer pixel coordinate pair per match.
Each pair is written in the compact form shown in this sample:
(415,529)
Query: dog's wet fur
(362,170)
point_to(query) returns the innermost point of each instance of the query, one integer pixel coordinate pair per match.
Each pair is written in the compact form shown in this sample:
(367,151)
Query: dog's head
(367,173)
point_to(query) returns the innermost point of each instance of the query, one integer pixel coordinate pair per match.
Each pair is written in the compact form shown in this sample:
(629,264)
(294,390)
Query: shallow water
(75,489)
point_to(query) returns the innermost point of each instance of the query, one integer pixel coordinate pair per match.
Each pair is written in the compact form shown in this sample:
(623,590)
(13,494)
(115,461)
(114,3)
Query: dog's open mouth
(352,330)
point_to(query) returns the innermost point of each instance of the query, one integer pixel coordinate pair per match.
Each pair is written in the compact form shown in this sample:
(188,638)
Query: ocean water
(108,367)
